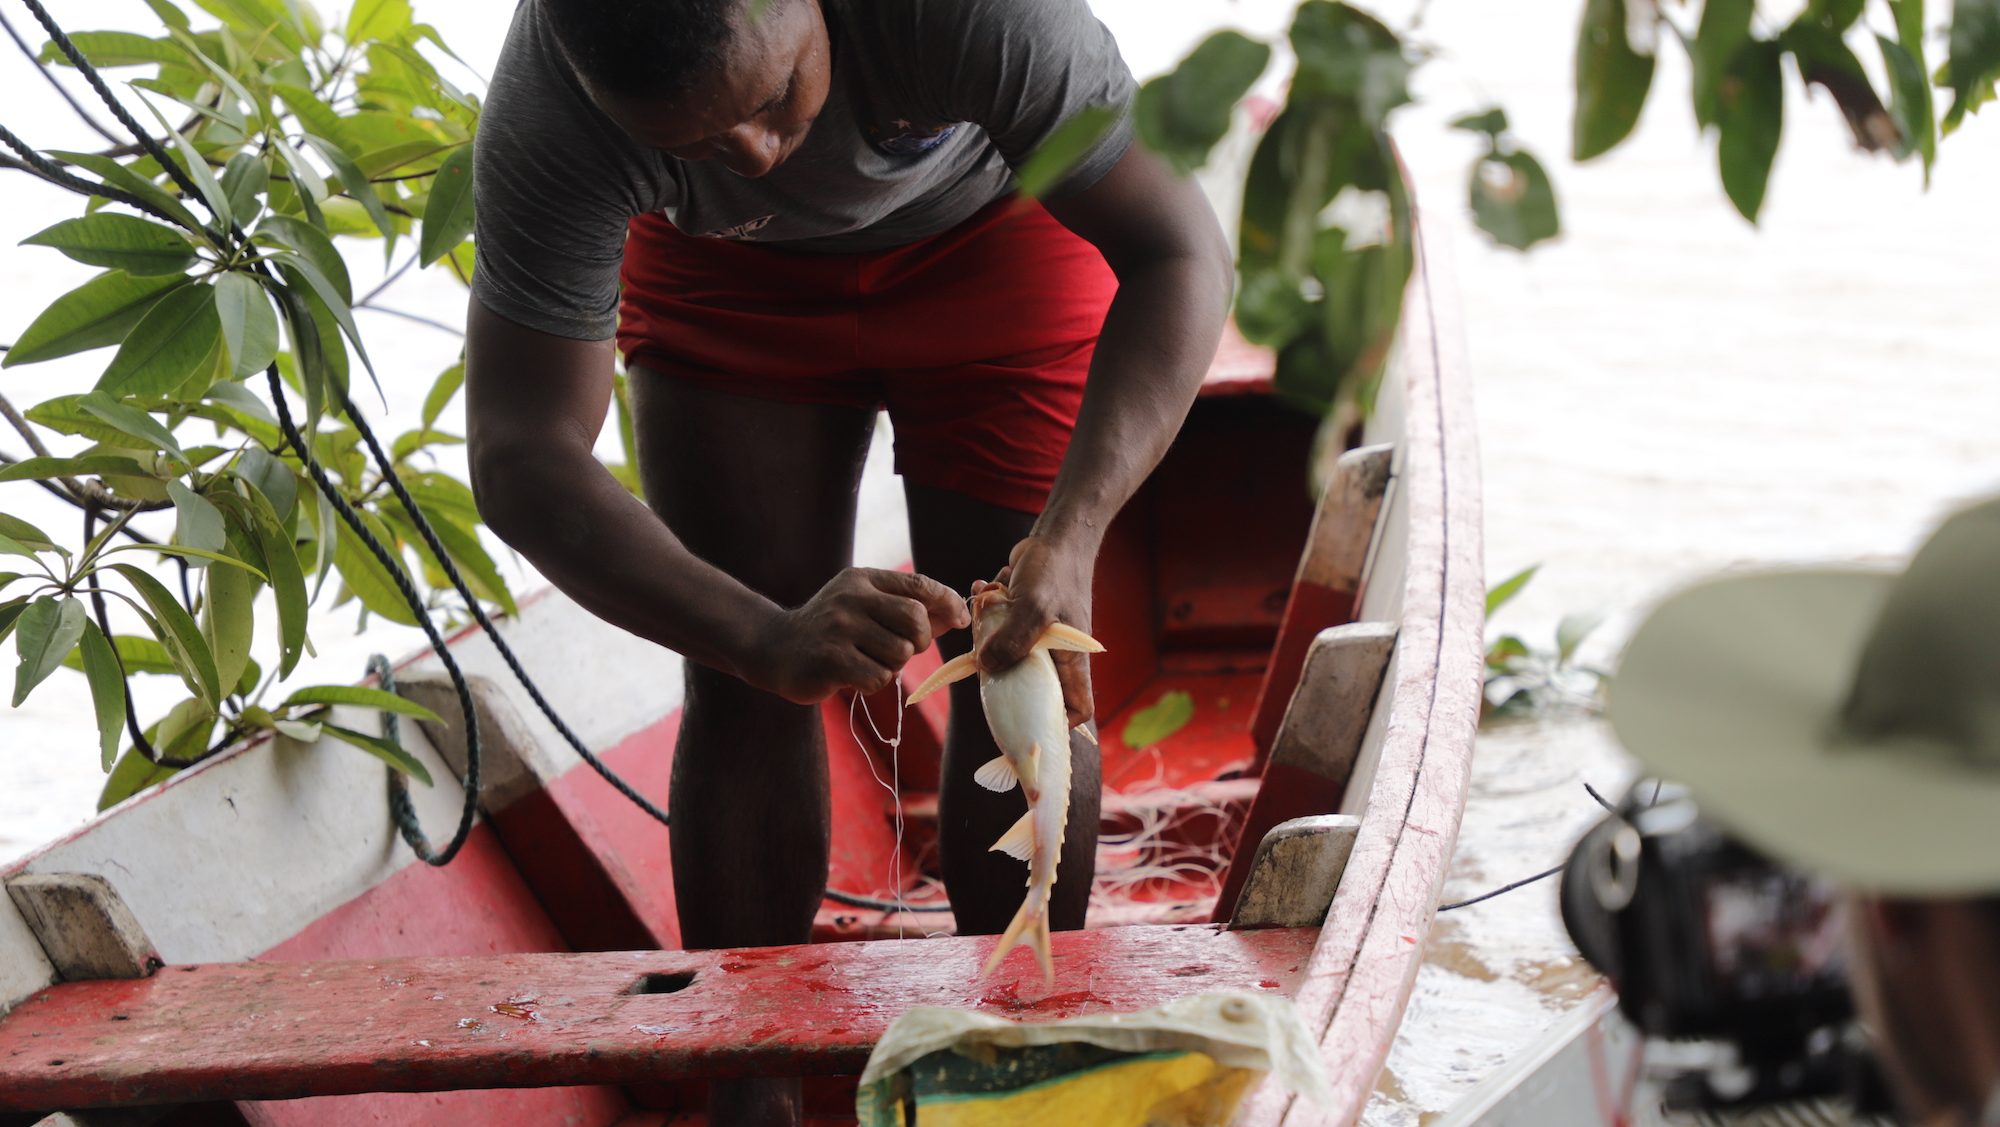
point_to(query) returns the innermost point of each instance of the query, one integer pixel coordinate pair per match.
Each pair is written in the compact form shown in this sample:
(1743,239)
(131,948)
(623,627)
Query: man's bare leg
(766,491)
(956,540)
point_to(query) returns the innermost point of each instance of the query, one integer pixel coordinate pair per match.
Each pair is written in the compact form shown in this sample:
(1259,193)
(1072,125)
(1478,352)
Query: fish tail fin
(1030,924)
(957,669)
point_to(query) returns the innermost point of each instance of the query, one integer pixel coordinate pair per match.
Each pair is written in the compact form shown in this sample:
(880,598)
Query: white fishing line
(894,785)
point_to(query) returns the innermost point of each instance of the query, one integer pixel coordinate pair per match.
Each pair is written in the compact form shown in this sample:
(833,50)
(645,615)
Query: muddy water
(1664,392)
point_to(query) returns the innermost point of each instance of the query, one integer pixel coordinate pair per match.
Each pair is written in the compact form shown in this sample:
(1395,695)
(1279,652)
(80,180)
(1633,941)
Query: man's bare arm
(534,405)
(1159,235)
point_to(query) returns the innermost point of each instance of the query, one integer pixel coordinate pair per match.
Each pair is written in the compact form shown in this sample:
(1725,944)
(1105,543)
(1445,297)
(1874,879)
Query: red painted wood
(1215,742)
(1311,609)
(269,1030)
(479,906)
(1231,509)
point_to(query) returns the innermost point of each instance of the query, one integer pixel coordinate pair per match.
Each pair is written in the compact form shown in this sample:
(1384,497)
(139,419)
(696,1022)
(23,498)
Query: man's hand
(856,633)
(1046,582)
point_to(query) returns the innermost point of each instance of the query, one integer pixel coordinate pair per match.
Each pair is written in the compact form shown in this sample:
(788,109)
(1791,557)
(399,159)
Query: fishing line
(894,786)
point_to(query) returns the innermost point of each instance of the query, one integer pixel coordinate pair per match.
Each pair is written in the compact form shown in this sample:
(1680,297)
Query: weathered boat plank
(268,1030)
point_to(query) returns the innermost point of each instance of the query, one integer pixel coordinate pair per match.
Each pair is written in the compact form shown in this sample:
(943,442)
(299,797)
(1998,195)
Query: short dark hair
(647,48)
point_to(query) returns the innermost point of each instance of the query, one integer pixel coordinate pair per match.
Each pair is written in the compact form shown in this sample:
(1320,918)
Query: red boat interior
(1193,593)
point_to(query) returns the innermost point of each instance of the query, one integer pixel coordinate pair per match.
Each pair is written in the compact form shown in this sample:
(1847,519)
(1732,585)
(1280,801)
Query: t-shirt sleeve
(554,183)
(1024,67)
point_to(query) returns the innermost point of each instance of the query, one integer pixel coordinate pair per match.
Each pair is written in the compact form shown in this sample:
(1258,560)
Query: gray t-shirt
(933,104)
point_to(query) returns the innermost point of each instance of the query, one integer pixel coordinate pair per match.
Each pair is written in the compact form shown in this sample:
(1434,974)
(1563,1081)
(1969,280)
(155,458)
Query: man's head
(737,81)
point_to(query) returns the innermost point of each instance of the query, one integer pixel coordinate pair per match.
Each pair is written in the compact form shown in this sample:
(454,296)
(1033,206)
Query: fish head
(989,609)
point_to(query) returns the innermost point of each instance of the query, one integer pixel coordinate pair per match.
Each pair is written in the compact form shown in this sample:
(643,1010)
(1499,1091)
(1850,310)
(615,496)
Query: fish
(1024,710)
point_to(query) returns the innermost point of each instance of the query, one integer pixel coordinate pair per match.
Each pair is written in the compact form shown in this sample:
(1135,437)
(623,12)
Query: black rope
(853,901)
(1505,888)
(401,811)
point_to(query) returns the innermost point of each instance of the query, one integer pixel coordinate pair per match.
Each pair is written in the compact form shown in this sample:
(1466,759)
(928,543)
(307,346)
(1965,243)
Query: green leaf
(199,524)
(1751,112)
(228,621)
(274,481)
(363,696)
(122,176)
(355,184)
(20,531)
(41,469)
(168,345)
(133,774)
(107,690)
(311,244)
(1505,652)
(109,239)
(249,327)
(1910,103)
(366,577)
(1824,59)
(43,636)
(258,18)
(1183,114)
(288,585)
(117,49)
(1492,122)
(135,654)
(197,169)
(169,14)
(245,178)
(180,635)
(126,420)
(411,441)
(184,552)
(321,297)
(448,212)
(309,185)
(1513,200)
(1973,60)
(95,314)
(303,731)
(381,749)
(1724,29)
(10,613)
(475,566)
(1611,80)
(1834,15)
(1049,165)
(1572,630)
(1503,594)
(1345,53)
(377,19)
(1158,720)
(447,385)
(1270,308)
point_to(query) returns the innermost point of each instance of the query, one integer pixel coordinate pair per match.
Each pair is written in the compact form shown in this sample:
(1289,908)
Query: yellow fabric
(1184,1090)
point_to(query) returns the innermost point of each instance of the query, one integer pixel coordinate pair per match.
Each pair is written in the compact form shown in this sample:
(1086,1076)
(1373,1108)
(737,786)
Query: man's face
(755,108)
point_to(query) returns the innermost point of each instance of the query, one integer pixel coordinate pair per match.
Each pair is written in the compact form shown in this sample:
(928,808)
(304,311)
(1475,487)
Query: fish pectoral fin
(1063,636)
(997,775)
(1019,840)
(957,669)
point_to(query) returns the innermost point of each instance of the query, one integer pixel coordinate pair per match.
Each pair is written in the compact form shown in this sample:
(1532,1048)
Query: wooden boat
(251,943)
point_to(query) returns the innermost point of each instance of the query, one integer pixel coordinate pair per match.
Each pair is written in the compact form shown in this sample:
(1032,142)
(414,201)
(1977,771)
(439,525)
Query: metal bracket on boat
(83,926)
(1296,872)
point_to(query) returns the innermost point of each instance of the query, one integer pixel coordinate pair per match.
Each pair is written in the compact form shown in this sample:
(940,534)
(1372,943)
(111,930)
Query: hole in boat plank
(662,983)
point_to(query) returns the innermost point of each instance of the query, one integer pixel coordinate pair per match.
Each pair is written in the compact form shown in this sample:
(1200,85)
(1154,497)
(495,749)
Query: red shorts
(976,340)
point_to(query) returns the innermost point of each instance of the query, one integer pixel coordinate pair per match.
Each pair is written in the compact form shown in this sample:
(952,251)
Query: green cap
(1842,720)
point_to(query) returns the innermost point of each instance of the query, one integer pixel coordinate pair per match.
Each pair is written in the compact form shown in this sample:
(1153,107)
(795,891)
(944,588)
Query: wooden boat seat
(282,1030)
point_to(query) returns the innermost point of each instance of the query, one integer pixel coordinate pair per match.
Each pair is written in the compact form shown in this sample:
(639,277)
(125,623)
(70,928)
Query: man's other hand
(857,633)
